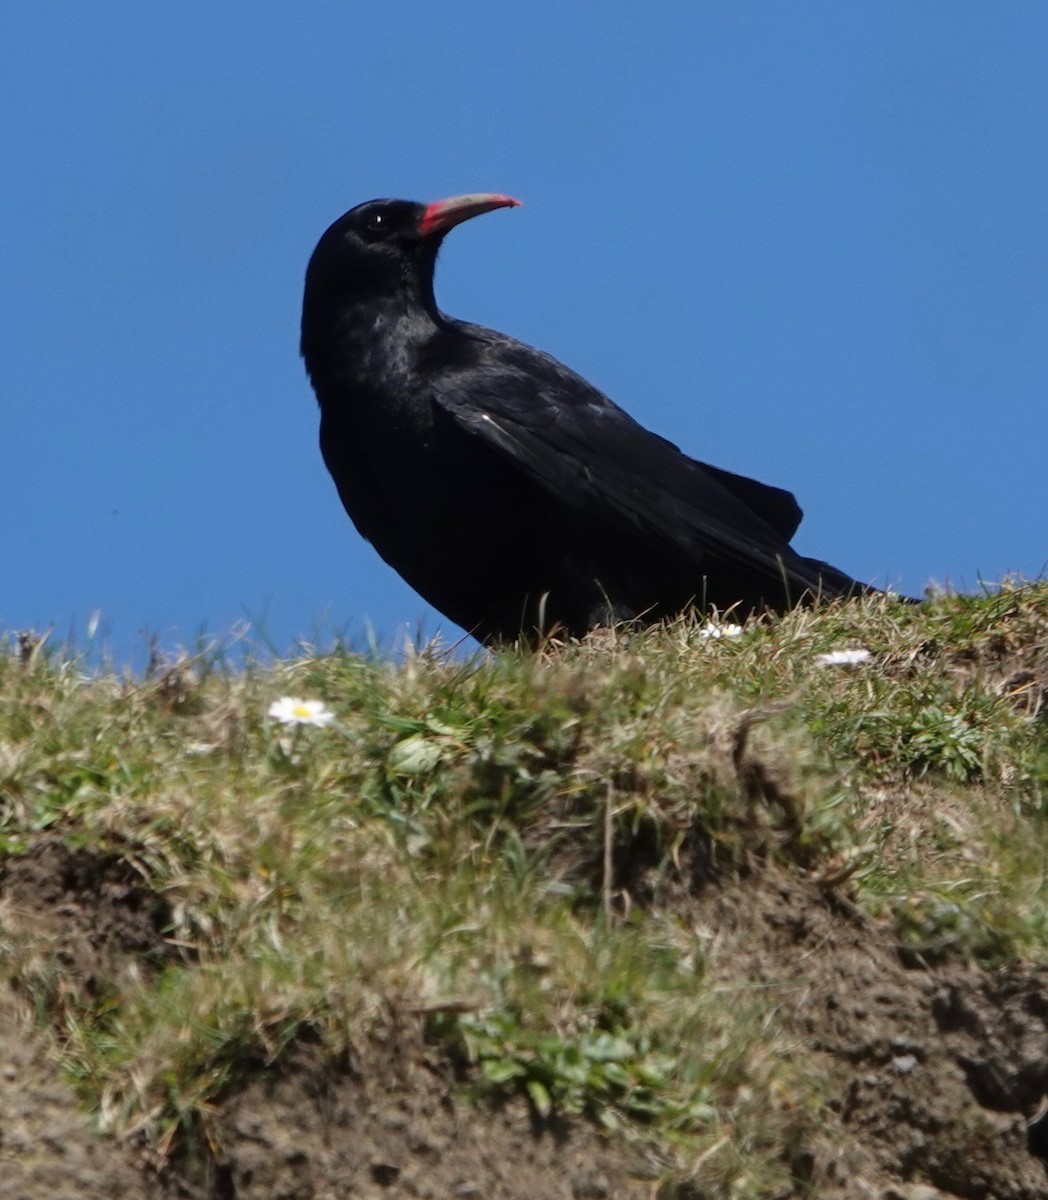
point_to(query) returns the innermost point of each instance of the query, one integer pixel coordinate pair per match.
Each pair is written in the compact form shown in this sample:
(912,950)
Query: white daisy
(713,630)
(289,710)
(841,658)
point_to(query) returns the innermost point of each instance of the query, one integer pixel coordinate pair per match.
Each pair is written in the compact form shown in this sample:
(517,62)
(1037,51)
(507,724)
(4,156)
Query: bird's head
(387,249)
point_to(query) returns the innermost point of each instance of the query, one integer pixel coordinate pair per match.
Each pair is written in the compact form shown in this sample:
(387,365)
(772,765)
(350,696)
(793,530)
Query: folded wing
(573,441)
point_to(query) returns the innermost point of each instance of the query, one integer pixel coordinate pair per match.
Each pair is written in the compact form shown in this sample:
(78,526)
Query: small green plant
(611,1075)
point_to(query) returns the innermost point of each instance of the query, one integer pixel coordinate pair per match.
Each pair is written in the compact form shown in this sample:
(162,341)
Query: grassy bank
(514,855)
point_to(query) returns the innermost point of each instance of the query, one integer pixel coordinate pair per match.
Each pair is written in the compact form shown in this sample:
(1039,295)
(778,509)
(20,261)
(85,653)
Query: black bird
(503,487)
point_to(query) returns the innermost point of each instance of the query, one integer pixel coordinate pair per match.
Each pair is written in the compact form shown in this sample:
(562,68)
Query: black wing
(553,425)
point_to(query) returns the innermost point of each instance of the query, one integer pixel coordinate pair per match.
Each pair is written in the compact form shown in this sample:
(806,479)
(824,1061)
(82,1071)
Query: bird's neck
(371,346)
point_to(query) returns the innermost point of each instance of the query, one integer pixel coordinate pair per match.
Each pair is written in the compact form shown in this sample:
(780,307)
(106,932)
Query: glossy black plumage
(503,487)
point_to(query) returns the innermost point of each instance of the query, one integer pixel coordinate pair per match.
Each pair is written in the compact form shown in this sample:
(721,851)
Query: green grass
(503,850)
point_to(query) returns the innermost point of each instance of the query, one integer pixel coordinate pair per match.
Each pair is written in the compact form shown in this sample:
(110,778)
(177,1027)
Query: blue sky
(806,241)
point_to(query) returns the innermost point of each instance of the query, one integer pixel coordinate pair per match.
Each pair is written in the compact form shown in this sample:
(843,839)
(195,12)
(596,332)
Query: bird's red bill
(442,215)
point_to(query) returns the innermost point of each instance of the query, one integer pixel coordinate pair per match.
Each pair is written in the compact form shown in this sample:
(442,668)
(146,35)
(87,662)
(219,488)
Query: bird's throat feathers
(350,318)
(369,348)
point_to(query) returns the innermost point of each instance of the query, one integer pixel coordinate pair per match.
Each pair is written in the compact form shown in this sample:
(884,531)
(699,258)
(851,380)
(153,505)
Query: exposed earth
(933,1071)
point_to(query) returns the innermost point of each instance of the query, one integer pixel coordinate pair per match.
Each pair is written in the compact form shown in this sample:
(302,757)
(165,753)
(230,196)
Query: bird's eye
(377,223)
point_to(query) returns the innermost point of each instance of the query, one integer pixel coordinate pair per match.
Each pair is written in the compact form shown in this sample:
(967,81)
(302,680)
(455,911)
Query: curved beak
(443,215)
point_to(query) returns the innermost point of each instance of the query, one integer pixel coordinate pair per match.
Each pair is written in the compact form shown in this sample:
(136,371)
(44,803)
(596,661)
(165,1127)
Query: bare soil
(932,1072)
